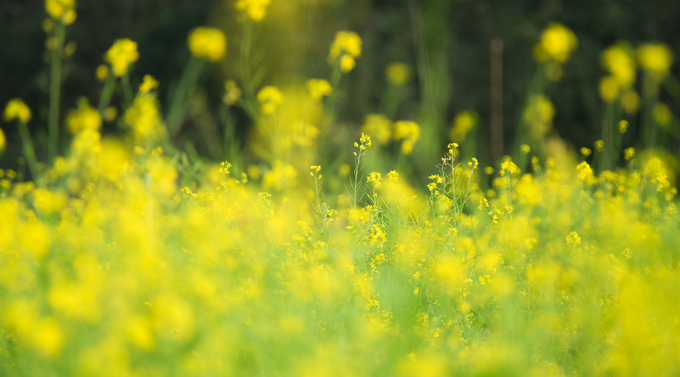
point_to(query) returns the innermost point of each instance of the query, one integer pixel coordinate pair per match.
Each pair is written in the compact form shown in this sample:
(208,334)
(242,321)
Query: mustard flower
(256,10)
(148,84)
(655,58)
(379,126)
(397,73)
(319,88)
(409,132)
(143,116)
(233,93)
(346,47)
(557,43)
(83,118)
(662,114)
(121,55)
(623,126)
(620,61)
(628,153)
(463,123)
(17,109)
(102,72)
(209,43)
(270,99)
(3,141)
(609,88)
(61,10)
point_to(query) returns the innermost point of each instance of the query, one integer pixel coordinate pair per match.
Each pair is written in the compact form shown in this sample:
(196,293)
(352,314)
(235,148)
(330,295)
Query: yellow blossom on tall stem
(270,98)
(397,73)
(346,47)
(209,43)
(17,109)
(319,88)
(63,10)
(557,43)
(256,10)
(655,58)
(121,55)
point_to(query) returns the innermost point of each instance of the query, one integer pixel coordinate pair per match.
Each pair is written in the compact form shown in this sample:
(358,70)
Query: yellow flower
(628,153)
(525,148)
(619,60)
(102,72)
(397,73)
(61,9)
(209,43)
(270,99)
(3,141)
(233,93)
(557,43)
(630,101)
(655,58)
(463,123)
(255,9)
(379,126)
(148,84)
(609,88)
(346,47)
(409,132)
(539,115)
(143,116)
(84,118)
(17,109)
(121,55)
(319,88)
(662,114)
(623,126)
(599,145)
(586,152)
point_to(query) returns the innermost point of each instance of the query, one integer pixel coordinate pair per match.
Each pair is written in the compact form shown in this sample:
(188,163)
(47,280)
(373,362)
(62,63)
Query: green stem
(127,89)
(107,93)
(230,144)
(55,87)
(180,101)
(244,60)
(29,150)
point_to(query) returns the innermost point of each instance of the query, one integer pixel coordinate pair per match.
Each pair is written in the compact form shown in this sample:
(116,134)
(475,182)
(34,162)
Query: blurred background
(452,39)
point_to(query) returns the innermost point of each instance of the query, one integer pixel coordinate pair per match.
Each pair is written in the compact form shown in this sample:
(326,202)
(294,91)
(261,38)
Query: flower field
(123,254)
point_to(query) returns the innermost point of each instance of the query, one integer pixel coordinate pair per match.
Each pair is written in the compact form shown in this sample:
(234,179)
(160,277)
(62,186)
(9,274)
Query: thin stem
(29,150)
(180,100)
(55,87)
(107,93)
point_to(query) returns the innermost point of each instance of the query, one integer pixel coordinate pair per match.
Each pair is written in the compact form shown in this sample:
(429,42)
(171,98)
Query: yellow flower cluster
(319,88)
(148,84)
(143,116)
(655,58)
(270,98)
(208,43)
(17,109)
(463,123)
(409,132)
(63,10)
(232,92)
(121,55)
(256,10)
(539,115)
(379,126)
(83,118)
(397,73)
(346,48)
(557,43)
